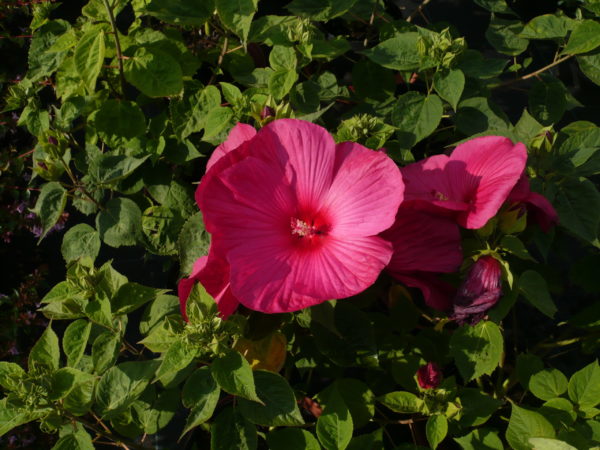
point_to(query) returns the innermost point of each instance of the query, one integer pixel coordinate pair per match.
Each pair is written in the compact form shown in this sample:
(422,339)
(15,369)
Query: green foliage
(121,106)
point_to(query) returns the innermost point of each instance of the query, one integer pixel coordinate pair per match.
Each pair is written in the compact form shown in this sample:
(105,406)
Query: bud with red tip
(429,376)
(480,291)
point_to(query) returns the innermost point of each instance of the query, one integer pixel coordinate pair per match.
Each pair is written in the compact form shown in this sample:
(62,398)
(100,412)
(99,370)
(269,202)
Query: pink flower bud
(267,111)
(479,291)
(429,376)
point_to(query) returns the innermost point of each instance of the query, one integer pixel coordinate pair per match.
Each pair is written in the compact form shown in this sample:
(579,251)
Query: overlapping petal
(363,196)
(472,183)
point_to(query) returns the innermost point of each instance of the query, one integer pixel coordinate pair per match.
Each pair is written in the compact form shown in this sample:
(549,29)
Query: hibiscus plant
(337,224)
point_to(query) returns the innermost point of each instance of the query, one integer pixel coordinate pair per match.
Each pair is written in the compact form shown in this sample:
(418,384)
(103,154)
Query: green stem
(532,74)
(113,24)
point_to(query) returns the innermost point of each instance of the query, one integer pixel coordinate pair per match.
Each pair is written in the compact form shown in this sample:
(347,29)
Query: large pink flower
(537,206)
(471,184)
(296,216)
(425,244)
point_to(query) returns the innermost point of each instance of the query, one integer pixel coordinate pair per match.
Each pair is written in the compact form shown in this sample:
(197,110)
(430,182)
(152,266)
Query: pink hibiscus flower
(295,217)
(471,184)
(425,244)
(536,205)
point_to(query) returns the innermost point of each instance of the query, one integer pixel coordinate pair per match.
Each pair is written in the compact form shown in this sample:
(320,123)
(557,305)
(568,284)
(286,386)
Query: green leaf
(398,53)
(118,121)
(527,127)
(548,384)
(359,399)
(416,117)
(474,65)
(231,430)
(63,381)
(176,358)
(98,311)
(549,444)
(363,74)
(505,36)
(525,424)
(584,38)
(216,121)
(77,439)
(192,243)
(282,58)
(156,311)
(75,340)
(516,247)
(320,10)
(234,375)
(292,439)
(527,365)
(477,349)
(480,115)
(89,57)
(436,429)
(281,82)
(534,288)
(280,407)
(45,352)
(200,394)
(131,296)
(590,65)
(559,411)
(10,375)
(79,400)
(402,402)
(41,62)
(105,351)
(477,407)
(578,206)
(155,73)
(11,418)
(481,438)
(122,384)
(237,15)
(50,205)
(80,241)
(190,12)
(497,6)
(154,412)
(547,26)
(80,440)
(450,85)
(120,222)
(584,386)
(334,425)
(329,49)
(548,100)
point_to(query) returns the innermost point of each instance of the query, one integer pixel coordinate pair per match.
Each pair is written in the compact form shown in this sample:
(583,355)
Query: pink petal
(538,206)
(305,151)
(186,285)
(270,278)
(482,172)
(239,134)
(423,242)
(437,293)
(365,193)
(215,279)
(542,210)
(246,201)
(213,272)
